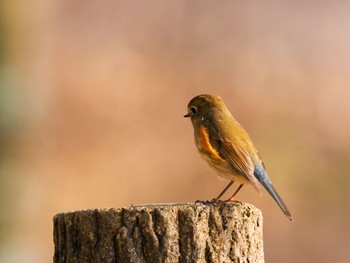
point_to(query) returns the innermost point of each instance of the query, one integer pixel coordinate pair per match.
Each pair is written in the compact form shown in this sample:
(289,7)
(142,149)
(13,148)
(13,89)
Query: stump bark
(161,233)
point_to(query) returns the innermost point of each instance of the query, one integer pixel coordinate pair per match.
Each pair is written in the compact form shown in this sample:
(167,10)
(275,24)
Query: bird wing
(260,158)
(239,158)
(237,155)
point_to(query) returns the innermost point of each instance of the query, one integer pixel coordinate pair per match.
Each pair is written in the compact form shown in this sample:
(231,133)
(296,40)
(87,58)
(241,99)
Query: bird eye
(193,109)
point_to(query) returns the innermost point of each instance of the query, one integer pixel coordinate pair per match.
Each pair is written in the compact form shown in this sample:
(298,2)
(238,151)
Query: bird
(227,148)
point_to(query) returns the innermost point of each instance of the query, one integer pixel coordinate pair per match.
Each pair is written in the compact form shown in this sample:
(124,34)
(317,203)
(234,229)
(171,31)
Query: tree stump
(161,233)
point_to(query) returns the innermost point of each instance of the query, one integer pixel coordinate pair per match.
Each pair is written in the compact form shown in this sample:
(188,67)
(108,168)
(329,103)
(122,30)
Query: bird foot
(207,202)
(213,201)
(202,202)
(232,201)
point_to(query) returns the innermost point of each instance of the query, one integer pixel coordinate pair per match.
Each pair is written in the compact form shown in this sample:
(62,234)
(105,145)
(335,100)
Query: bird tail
(272,191)
(264,179)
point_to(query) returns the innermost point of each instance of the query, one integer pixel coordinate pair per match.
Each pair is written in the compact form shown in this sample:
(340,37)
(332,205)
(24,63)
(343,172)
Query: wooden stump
(161,233)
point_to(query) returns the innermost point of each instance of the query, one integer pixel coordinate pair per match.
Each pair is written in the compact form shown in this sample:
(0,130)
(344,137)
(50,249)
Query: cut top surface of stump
(161,233)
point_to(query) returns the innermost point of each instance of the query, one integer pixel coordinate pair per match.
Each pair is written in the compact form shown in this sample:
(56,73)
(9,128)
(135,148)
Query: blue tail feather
(264,179)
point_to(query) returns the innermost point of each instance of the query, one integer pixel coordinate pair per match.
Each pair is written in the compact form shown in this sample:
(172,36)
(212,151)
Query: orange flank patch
(204,143)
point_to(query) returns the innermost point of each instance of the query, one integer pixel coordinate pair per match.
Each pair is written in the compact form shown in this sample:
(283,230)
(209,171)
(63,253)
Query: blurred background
(92,95)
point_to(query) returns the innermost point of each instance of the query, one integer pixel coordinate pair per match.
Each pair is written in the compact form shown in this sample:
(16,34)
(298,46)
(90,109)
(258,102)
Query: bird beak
(187,115)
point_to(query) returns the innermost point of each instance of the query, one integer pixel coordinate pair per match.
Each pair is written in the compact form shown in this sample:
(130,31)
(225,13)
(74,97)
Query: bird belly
(223,169)
(216,163)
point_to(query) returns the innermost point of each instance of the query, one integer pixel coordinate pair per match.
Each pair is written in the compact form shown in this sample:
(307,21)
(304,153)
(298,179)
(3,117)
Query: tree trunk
(161,233)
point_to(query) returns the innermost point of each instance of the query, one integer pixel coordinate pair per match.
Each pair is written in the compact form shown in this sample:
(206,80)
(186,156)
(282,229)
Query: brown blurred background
(92,95)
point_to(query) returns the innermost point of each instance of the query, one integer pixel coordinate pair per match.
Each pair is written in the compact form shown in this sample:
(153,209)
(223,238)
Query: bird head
(201,105)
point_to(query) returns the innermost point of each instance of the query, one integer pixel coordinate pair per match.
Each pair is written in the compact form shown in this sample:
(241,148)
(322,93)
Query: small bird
(227,148)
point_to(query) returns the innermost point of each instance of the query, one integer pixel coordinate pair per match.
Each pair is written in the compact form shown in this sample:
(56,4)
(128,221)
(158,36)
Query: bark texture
(161,233)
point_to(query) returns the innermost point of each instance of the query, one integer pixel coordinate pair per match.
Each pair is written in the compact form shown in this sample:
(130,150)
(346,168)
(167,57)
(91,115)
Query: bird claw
(206,202)
(202,202)
(232,201)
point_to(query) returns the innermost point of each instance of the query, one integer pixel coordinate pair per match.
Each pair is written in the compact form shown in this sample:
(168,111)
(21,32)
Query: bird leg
(232,198)
(223,191)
